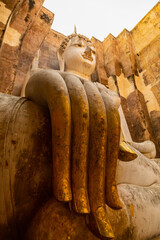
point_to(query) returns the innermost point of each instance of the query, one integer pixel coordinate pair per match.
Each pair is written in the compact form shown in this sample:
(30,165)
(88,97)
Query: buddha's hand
(85,143)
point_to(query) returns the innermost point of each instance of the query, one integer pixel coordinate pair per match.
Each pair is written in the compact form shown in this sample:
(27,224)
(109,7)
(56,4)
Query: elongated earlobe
(61,60)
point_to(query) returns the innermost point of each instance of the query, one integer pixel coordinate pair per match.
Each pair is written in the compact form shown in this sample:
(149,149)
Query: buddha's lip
(87,57)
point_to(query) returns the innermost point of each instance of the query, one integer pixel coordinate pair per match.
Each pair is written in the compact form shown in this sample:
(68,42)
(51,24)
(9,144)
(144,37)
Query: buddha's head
(77,55)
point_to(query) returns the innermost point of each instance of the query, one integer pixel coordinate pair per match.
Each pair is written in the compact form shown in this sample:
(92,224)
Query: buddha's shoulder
(106,89)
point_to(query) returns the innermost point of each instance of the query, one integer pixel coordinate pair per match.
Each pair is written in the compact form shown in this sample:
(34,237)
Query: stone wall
(129,63)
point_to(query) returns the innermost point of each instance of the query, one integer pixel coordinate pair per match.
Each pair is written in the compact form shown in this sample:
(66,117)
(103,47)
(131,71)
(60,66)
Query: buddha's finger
(111,102)
(97,159)
(49,89)
(99,224)
(79,143)
(112,197)
(126,154)
(60,111)
(113,137)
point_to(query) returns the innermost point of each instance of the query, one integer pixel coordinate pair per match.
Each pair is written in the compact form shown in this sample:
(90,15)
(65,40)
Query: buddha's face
(79,57)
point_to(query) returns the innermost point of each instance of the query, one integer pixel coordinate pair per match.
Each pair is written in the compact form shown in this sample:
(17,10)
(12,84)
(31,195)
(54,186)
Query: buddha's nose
(88,50)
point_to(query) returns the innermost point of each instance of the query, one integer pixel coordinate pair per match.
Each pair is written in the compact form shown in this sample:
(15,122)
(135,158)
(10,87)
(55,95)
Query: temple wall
(48,51)
(132,63)
(23,29)
(129,63)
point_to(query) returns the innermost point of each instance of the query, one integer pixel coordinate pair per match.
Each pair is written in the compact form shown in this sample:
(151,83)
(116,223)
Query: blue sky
(97,18)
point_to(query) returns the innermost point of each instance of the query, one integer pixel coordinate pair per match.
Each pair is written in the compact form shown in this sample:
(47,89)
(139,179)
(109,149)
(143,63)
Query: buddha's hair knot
(68,38)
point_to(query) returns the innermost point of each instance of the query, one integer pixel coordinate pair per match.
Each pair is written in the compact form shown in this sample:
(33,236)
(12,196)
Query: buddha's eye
(78,44)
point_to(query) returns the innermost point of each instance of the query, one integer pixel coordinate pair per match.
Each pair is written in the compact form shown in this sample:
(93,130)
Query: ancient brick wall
(132,64)
(24,25)
(48,51)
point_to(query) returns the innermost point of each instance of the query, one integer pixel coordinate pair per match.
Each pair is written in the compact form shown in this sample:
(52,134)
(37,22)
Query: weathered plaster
(150,99)
(12,37)
(4,13)
(125,86)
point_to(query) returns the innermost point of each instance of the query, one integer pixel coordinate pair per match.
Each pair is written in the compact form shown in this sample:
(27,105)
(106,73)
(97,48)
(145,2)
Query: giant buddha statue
(95,195)
(81,113)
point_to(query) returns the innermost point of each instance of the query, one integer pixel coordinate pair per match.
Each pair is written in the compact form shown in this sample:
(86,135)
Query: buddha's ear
(60,59)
